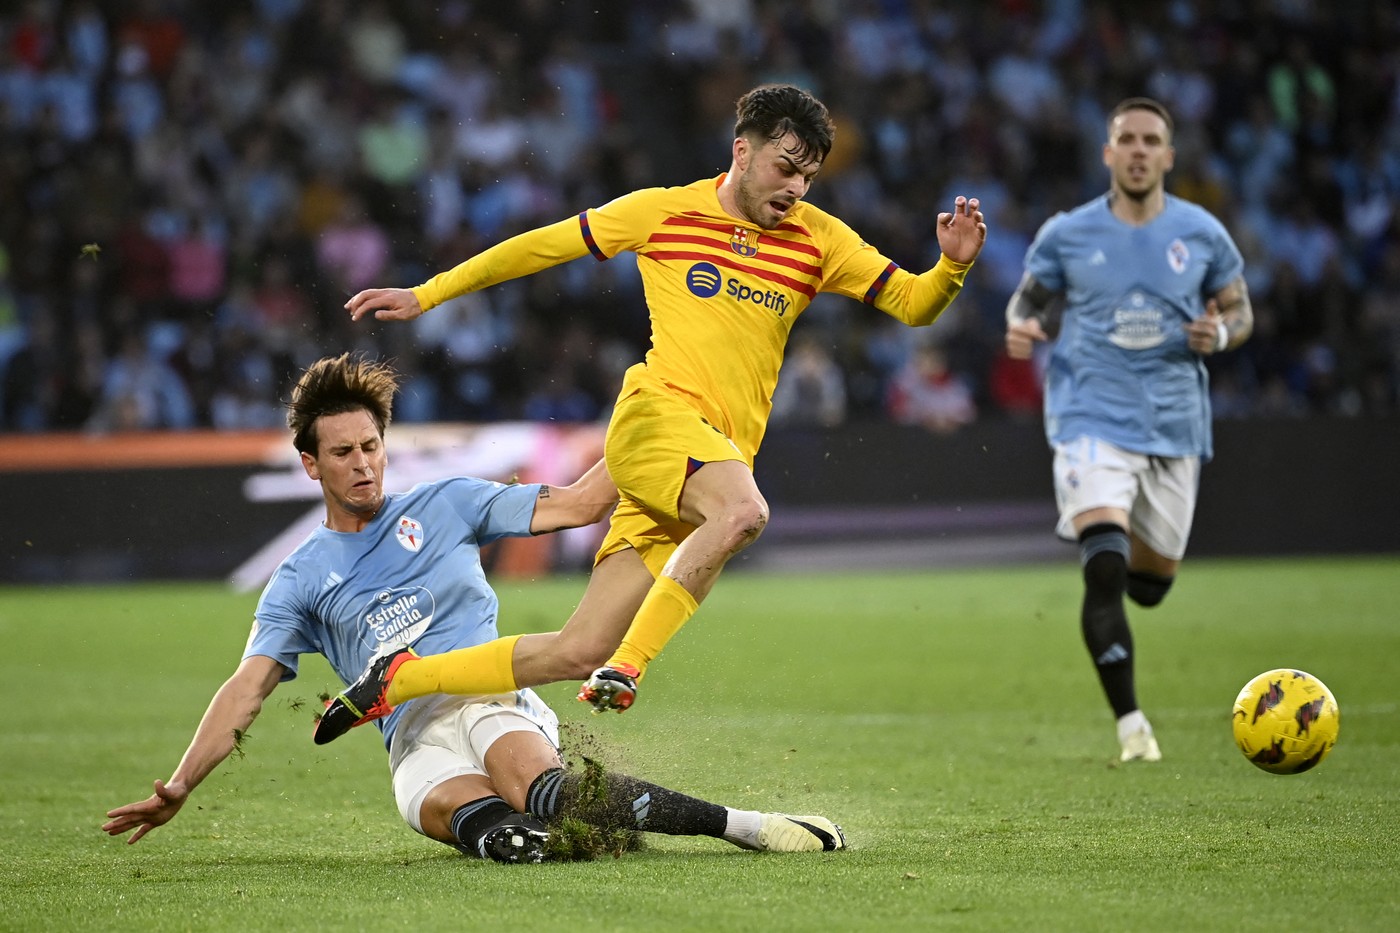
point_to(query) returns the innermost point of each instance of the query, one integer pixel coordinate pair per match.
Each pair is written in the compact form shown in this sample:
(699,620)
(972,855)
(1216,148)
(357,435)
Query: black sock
(474,820)
(1104,622)
(622,802)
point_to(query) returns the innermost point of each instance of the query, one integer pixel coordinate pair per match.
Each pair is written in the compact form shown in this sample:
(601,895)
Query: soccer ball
(1285,721)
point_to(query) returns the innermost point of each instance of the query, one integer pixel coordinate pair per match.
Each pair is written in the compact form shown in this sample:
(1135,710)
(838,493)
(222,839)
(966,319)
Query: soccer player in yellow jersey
(727,264)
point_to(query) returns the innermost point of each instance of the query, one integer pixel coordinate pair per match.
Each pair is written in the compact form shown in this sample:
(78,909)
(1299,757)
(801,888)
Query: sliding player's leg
(487,779)
(443,785)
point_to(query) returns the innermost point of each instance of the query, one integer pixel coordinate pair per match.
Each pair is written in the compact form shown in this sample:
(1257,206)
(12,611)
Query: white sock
(741,827)
(1135,721)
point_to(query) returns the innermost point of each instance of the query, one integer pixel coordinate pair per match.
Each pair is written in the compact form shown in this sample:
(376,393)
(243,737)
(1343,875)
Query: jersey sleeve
(850,266)
(1226,262)
(856,269)
(623,223)
(495,510)
(279,631)
(523,254)
(1043,257)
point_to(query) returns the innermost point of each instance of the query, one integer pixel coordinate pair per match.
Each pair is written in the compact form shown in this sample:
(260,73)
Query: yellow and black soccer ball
(1285,721)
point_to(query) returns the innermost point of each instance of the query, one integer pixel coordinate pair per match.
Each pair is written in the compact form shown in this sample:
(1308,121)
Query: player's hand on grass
(145,815)
(1022,336)
(387,304)
(962,232)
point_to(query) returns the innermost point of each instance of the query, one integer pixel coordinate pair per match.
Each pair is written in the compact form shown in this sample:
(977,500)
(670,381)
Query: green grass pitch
(949,720)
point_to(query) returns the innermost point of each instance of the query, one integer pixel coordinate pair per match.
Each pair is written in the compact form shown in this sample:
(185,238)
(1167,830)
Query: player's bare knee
(757,521)
(745,523)
(1147,589)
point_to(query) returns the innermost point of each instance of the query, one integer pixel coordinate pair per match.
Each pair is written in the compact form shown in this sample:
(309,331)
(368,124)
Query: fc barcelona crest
(742,244)
(409,534)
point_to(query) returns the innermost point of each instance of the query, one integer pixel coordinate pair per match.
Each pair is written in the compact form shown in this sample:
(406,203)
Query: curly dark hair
(771,111)
(335,385)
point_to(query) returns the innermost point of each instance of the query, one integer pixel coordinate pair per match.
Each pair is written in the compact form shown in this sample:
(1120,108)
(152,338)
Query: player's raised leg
(619,583)
(722,500)
(615,590)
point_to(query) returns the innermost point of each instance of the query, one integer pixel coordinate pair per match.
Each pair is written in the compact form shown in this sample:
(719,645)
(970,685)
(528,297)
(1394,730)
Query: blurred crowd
(191,190)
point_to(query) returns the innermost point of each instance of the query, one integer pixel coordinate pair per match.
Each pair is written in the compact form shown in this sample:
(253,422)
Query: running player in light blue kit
(385,572)
(1150,285)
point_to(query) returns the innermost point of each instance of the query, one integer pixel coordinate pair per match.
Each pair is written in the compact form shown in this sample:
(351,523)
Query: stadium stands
(191,190)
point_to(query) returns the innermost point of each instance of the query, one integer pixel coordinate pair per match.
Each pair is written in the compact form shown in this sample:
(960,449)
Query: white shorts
(442,737)
(1158,493)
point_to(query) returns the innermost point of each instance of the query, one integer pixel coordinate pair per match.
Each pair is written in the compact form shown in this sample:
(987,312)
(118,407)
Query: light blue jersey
(1121,369)
(412,576)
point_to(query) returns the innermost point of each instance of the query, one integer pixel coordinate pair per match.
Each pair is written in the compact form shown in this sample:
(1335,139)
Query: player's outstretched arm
(585,501)
(962,232)
(523,254)
(230,713)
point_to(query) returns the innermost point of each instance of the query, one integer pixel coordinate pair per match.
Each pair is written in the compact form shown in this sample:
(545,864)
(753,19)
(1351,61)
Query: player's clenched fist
(1022,336)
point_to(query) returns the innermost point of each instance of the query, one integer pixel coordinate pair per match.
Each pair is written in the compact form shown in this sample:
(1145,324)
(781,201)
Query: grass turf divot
(584,831)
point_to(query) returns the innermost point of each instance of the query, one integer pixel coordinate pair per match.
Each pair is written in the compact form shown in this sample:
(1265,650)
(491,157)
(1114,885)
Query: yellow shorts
(654,442)
(634,527)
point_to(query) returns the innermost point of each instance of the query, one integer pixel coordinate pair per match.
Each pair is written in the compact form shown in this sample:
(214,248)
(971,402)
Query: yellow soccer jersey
(723,294)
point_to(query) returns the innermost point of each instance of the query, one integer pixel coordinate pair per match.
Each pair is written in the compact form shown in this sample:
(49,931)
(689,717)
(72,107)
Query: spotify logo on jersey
(703,280)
